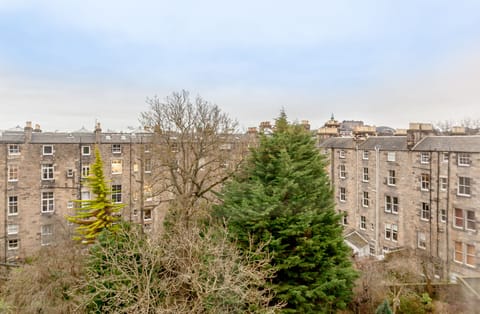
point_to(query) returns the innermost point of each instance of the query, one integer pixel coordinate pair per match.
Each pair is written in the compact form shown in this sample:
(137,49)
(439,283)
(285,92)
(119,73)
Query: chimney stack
(98,132)
(28,131)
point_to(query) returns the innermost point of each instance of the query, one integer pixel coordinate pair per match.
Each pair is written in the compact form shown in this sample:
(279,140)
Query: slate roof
(390,143)
(338,142)
(356,240)
(71,137)
(61,137)
(467,144)
(12,137)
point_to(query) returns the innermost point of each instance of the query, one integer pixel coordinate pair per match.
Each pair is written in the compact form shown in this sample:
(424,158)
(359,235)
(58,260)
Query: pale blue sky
(65,64)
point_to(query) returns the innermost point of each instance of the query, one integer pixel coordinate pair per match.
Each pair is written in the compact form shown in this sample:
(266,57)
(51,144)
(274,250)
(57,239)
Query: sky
(67,64)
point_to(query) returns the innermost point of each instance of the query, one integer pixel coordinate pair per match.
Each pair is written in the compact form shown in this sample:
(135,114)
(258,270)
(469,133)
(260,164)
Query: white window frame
(394,232)
(85,171)
(12,173)
(424,157)
(391,179)
(425,212)
(48,171)
(391,204)
(391,232)
(13,149)
(85,195)
(148,165)
(47,150)
(464,252)
(70,204)
(464,221)
(46,234)
(13,244)
(464,159)
(117,193)
(363,222)
(391,156)
(470,222)
(343,172)
(443,215)
(421,240)
(365,199)
(365,155)
(388,231)
(472,255)
(12,205)
(48,202)
(425,182)
(116,148)
(365,177)
(345,218)
(464,186)
(149,216)
(445,157)
(86,151)
(342,154)
(343,194)
(117,166)
(443,183)
(12,229)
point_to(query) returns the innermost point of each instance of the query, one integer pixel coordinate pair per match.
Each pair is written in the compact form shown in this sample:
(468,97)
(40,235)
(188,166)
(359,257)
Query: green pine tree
(283,198)
(383,308)
(99,213)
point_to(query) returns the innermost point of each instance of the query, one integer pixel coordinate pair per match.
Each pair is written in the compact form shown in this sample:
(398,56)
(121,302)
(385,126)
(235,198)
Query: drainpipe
(430,220)
(447,222)
(377,195)
(142,185)
(130,180)
(332,167)
(5,183)
(357,188)
(438,204)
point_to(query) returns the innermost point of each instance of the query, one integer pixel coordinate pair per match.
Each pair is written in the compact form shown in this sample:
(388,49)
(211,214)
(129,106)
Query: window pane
(117,166)
(471,220)
(459,252)
(470,258)
(458,218)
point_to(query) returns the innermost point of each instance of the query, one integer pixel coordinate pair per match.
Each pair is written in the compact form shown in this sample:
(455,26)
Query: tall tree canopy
(195,149)
(99,213)
(283,198)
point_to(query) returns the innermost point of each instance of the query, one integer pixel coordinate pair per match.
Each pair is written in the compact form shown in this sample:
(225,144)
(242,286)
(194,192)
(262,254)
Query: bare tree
(444,126)
(472,126)
(185,270)
(195,148)
(46,283)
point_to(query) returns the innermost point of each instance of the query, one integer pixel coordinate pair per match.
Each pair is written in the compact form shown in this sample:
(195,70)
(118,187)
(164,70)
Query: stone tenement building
(42,175)
(418,191)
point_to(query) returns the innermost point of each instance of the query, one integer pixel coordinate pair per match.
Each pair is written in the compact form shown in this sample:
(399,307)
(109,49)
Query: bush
(187,270)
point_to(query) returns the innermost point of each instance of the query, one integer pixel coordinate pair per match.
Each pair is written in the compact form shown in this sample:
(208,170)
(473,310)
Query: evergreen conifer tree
(383,308)
(93,216)
(284,198)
